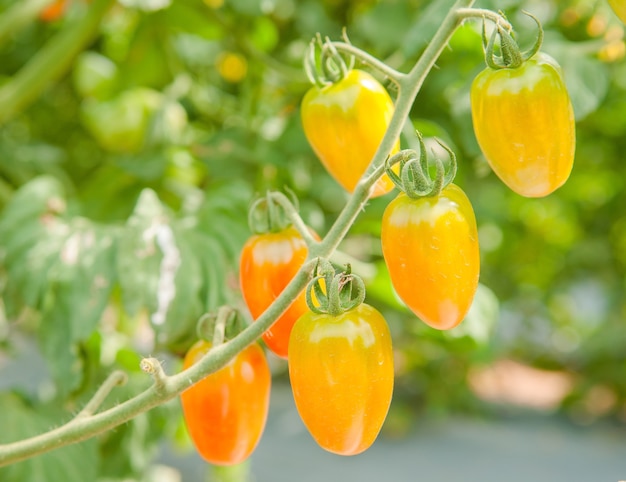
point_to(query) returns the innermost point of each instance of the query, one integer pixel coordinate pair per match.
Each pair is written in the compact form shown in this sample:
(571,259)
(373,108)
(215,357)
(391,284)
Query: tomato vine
(90,422)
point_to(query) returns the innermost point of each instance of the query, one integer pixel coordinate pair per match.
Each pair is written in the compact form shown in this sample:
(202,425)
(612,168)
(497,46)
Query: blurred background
(122,118)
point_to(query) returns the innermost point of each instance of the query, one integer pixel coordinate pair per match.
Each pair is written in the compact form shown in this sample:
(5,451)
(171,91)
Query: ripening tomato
(430,246)
(619,7)
(524,124)
(225,412)
(54,11)
(341,373)
(268,263)
(345,123)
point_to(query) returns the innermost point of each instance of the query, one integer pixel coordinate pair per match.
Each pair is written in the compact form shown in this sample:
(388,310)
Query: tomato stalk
(290,209)
(219,326)
(415,179)
(339,292)
(323,64)
(512,57)
(408,87)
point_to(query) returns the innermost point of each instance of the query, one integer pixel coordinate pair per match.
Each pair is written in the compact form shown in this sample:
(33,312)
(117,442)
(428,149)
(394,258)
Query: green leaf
(425,27)
(587,78)
(383,24)
(82,276)
(63,268)
(42,195)
(74,463)
(158,270)
(62,355)
(138,257)
(482,316)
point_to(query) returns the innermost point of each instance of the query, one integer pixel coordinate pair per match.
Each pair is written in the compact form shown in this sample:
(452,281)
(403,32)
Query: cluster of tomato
(340,360)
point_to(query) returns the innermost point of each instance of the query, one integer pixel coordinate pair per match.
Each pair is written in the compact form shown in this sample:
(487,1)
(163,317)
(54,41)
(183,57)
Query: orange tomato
(341,373)
(430,246)
(268,263)
(226,412)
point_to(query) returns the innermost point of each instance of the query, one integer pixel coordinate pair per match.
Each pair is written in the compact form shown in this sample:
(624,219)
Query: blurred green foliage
(125,182)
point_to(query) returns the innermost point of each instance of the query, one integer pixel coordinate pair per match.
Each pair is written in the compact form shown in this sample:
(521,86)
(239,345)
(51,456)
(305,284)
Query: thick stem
(166,388)
(51,62)
(409,86)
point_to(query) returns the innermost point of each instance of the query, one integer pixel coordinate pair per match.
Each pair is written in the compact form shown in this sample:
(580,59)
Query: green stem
(409,86)
(223,314)
(50,63)
(370,60)
(168,387)
(164,389)
(18,15)
(467,13)
(294,217)
(117,378)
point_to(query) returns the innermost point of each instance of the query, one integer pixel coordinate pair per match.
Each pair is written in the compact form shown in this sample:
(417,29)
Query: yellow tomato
(345,122)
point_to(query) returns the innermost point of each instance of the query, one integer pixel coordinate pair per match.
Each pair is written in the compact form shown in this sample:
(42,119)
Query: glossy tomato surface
(225,413)
(268,263)
(524,124)
(345,123)
(430,246)
(341,373)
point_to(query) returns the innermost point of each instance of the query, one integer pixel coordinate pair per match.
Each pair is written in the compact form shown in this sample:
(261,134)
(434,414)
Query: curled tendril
(510,54)
(414,177)
(340,292)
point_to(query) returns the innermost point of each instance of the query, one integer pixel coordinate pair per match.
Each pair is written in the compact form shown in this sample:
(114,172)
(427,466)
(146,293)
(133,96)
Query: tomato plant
(345,122)
(430,246)
(225,412)
(268,263)
(341,373)
(524,123)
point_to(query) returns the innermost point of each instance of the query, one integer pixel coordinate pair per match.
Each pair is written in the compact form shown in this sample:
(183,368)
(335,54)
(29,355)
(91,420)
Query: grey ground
(514,448)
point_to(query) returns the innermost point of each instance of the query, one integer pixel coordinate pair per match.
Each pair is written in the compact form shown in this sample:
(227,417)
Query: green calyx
(220,326)
(511,57)
(267,215)
(323,64)
(414,177)
(334,293)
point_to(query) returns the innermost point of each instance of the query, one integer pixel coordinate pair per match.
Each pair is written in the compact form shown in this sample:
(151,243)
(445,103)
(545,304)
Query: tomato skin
(619,7)
(341,373)
(268,263)
(345,123)
(430,246)
(524,123)
(226,412)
